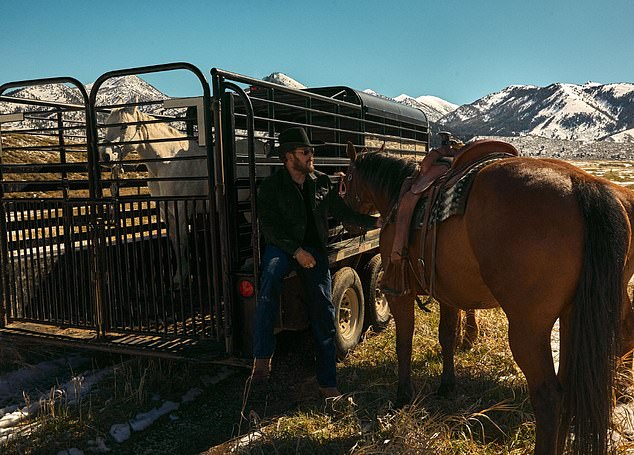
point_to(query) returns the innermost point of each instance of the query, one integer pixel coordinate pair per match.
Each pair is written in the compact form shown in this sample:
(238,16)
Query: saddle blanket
(451,201)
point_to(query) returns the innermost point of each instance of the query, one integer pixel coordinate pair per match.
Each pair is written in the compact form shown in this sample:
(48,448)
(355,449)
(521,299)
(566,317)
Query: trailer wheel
(347,298)
(376,308)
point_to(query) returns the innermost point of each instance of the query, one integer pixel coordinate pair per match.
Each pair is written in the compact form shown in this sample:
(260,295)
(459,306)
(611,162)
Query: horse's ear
(352,152)
(382,149)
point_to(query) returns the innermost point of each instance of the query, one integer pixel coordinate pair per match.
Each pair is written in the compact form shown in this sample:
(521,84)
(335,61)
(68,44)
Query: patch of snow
(71,391)
(73,451)
(99,445)
(13,383)
(283,79)
(145,419)
(122,431)
(191,395)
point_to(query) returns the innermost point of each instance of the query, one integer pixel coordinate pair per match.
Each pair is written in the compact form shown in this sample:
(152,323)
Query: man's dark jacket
(282,211)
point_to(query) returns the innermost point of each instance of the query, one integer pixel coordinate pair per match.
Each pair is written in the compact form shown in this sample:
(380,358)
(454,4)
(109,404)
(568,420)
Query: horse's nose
(105,156)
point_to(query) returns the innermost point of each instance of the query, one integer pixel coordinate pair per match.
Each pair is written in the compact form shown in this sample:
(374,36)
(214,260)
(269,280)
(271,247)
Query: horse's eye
(349,177)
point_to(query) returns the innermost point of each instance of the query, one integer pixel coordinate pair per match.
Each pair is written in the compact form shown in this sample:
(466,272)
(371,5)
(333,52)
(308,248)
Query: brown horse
(544,241)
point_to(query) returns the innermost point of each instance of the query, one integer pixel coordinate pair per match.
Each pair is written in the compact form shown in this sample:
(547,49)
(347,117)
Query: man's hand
(305,259)
(379,222)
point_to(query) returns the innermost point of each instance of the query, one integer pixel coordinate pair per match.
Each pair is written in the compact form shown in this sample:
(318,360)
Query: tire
(347,298)
(377,311)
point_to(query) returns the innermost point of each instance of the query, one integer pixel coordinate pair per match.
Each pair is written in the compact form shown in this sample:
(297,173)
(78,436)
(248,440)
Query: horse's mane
(386,172)
(161,129)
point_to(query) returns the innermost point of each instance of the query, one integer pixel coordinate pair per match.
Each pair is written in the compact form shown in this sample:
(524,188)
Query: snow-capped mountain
(283,79)
(125,89)
(435,108)
(587,112)
(560,111)
(113,91)
(58,93)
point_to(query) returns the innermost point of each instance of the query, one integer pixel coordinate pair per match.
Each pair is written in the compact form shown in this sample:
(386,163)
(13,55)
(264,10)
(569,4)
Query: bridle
(343,187)
(119,148)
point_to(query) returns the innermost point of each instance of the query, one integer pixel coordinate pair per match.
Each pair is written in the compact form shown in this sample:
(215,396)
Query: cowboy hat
(293,138)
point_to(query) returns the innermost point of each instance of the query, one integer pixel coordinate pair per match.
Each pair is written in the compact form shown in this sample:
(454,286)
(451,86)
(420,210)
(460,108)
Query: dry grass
(488,414)
(70,418)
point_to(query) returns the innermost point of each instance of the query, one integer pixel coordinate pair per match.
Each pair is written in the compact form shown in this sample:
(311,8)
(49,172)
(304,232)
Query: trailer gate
(86,253)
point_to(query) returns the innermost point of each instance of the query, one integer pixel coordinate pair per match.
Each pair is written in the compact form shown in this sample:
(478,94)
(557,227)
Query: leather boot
(261,371)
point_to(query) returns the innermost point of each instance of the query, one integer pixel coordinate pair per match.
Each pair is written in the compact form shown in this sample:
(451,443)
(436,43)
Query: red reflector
(246,289)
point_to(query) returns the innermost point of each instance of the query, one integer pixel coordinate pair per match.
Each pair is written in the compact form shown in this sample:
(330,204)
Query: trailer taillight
(246,289)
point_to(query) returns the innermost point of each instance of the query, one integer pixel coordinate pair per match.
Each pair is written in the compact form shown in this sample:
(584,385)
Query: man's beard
(305,168)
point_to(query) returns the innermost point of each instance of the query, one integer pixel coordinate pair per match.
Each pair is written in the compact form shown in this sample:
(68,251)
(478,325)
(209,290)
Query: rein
(117,169)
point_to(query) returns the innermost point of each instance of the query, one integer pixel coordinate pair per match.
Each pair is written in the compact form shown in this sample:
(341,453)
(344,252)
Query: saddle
(438,172)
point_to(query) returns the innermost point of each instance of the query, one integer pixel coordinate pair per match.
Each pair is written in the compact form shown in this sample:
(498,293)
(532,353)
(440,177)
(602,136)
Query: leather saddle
(439,171)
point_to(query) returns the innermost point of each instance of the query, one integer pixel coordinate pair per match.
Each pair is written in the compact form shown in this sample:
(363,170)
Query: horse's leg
(624,373)
(531,350)
(448,337)
(471,330)
(402,308)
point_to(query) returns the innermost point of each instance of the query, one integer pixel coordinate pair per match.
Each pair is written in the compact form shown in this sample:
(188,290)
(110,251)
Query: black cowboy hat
(293,138)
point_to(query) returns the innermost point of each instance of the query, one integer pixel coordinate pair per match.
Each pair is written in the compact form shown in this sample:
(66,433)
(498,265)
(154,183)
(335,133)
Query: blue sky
(459,50)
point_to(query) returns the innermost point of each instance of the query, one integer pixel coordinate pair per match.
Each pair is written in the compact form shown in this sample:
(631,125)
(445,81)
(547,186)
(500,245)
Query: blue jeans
(275,265)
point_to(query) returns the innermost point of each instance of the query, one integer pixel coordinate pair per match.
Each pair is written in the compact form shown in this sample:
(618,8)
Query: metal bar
(48,245)
(191,254)
(255,234)
(239,78)
(208,261)
(196,272)
(5,295)
(171,311)
(222,121)
(24,285)
(129,284)
(40,267)
(180,314)
(162,258)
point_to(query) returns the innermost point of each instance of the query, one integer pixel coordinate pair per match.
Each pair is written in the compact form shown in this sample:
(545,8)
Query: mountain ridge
(586,112)
(578,112)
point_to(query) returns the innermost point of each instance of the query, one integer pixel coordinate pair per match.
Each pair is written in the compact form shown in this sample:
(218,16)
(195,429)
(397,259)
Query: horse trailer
(131,225)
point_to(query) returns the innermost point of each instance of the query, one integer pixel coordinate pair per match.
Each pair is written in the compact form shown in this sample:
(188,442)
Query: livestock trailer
(140,232)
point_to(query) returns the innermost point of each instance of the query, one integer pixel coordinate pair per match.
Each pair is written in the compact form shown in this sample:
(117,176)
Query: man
(293,206)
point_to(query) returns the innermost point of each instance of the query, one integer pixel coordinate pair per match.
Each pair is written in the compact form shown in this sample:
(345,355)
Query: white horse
(177,166)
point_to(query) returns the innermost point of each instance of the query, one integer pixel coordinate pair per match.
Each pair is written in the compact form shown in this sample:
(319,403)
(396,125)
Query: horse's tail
(589,367)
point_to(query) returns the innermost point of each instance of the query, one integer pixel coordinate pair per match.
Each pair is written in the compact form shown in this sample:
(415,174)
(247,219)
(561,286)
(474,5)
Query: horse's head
(356,193)
(373,180)
(120,133)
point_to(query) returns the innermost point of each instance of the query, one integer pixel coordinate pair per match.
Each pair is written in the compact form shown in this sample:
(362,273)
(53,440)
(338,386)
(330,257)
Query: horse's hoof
(446,390)
(401,402)
(404,396)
